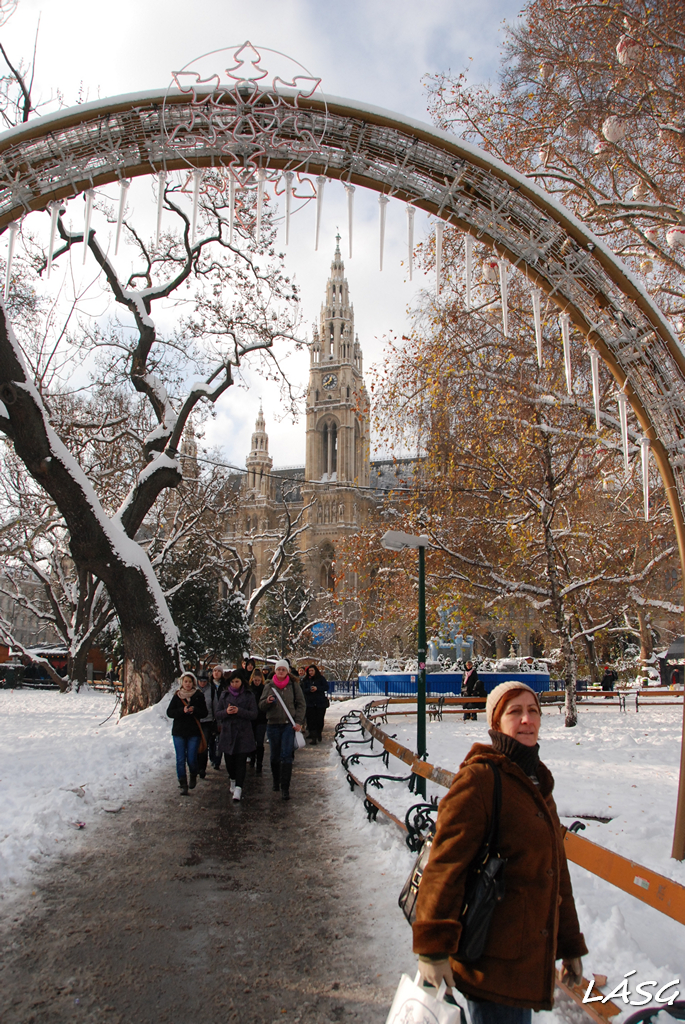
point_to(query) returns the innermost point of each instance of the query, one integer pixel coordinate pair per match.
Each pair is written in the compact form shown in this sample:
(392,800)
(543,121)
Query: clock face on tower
(329,381)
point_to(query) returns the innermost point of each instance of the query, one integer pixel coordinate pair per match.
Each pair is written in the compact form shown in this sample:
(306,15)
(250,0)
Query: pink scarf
(281,685)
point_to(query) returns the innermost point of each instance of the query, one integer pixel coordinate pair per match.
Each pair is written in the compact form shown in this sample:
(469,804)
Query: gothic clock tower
(337,400)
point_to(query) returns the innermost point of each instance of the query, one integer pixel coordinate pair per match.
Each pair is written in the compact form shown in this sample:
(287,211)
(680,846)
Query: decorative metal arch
(97,143)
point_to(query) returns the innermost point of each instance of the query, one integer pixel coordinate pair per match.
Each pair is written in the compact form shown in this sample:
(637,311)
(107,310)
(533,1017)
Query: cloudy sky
(375,51)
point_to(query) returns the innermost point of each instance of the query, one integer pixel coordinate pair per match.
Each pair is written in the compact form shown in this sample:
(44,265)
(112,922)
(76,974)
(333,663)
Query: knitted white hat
(496,695)
(282,664)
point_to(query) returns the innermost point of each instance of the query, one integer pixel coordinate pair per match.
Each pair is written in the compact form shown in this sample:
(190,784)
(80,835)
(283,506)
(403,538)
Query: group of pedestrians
(232,713)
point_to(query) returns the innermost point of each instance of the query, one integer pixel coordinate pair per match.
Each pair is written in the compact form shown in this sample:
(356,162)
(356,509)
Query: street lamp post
(395,540)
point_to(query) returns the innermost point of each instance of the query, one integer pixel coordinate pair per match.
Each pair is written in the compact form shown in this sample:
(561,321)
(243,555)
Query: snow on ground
(612,765)
(61,763)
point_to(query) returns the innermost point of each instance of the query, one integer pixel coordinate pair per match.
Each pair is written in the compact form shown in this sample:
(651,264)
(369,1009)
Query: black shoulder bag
(484,886)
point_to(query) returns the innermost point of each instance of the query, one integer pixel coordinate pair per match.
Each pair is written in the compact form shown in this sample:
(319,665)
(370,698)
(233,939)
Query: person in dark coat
(609,679)
(279,729)
(536,921)
(236,712)
(472,686)
(187,707)
(257,683)
(315,689)
(209,688)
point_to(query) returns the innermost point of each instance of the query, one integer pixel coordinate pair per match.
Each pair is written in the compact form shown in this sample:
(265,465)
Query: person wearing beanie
(187,707)
(536,923)
(279,731)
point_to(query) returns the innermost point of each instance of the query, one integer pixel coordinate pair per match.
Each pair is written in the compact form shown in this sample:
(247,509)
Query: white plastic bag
(414,1004)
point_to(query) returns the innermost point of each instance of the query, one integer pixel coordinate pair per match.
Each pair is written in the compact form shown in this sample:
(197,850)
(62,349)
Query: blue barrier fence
(437,684)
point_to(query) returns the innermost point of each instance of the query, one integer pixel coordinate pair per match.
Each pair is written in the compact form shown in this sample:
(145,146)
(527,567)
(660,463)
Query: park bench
(435,710)
(650,698)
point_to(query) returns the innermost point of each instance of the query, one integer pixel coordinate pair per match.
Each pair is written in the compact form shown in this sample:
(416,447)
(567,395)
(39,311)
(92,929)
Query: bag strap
(493,837)
(277,695)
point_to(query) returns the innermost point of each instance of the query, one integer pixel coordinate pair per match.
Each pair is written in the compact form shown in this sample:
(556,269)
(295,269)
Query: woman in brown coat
(536,923)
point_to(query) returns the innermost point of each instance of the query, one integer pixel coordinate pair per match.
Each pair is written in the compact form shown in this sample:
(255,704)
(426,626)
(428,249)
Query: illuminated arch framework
(59,156)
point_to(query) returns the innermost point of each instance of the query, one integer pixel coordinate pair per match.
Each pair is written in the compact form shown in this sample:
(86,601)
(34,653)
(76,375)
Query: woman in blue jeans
(187,707)
(279,730)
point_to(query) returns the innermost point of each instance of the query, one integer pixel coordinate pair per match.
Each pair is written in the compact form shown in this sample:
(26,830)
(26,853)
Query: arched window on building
(326,570)
(329,445)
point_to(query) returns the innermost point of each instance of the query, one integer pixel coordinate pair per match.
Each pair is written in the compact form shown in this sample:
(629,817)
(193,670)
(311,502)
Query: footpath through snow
(155,859)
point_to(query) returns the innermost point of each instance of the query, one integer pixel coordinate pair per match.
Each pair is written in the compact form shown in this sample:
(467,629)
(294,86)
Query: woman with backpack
(187,707)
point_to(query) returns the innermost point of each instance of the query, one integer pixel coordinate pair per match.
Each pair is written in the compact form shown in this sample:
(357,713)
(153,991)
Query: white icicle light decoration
(288,197)
(410,239)
(231,208)
(86,221)
(124,185)
(320,185)
(382,207)
(197,181)
(439,231)
(565,323)
(161,184)
(645,445)
(468,270)
(54,212)
(11,239)
(536,295)
(623,420)
(614,129)
(594,367)
(261,178)
(504,293)
(349,189)
(675,237)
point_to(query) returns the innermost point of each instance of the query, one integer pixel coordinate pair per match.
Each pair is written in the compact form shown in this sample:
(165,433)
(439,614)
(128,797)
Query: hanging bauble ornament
(546,71)
(544,153)
(628,51)
(646,266)
(640,191)
(602,150)
(675,236)
(652,235)
(680,326)
(490,271)
(614,129)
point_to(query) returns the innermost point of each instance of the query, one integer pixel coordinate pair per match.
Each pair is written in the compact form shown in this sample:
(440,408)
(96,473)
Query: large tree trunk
(98,543)
(646,642)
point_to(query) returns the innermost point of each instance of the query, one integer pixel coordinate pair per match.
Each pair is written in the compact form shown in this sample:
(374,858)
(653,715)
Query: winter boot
(237,794)
(286,772)
(183,783)
(276,772)
(232,785)
(193,781)
(260,761)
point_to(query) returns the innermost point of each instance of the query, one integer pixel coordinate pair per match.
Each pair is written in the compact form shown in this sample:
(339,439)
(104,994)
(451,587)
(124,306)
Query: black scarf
(527,758)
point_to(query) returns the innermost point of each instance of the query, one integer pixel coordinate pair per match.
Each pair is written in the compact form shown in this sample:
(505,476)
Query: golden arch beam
(60,156)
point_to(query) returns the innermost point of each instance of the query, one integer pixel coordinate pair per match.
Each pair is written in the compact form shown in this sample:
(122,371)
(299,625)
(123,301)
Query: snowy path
(185,910)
